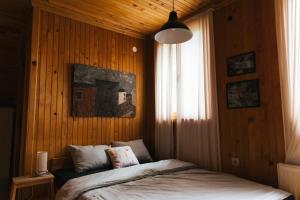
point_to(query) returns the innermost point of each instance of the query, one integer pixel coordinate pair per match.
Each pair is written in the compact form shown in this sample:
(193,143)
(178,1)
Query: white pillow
(89,157)
(138,147)
(122,157)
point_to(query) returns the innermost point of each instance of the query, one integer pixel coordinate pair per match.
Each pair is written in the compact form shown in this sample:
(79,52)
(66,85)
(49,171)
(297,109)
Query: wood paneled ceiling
(136,18)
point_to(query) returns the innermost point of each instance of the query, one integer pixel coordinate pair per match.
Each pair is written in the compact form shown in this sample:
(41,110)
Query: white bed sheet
(168,179)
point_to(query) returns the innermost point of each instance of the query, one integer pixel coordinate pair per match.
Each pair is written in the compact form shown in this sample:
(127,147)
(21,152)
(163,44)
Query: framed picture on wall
(102,92)
(243,94)
(241,64)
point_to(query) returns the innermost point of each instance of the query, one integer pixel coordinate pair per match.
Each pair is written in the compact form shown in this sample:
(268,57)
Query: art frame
(243,94)
(244,63)
(102,92)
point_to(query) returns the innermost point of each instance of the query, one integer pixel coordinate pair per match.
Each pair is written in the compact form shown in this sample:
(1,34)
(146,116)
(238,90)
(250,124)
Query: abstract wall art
(241,64)
(243,94)
(103,92)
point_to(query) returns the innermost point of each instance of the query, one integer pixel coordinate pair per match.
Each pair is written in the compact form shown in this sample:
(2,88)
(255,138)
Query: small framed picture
(241,64)
(243,94)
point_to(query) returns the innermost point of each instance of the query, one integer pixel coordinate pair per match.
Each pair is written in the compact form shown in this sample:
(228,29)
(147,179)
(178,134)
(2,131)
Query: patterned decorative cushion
(122,157)
(89,157)
(138,147)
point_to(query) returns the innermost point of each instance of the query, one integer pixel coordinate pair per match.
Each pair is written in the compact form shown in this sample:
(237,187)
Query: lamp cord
(173,5)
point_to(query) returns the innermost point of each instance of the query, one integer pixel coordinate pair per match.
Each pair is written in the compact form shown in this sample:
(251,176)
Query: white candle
(41,162)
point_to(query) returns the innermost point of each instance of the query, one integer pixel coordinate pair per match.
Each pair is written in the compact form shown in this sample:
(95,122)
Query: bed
(166,179)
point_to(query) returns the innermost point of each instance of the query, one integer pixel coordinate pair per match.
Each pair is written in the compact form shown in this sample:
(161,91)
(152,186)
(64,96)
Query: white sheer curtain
(288,39)
(197,113)
(195,96)
(165,99)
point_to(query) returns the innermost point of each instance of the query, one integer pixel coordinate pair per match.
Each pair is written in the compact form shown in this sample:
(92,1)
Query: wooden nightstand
(27,181)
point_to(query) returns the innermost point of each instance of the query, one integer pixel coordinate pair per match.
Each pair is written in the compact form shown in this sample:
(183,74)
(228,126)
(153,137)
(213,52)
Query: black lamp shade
(173,32)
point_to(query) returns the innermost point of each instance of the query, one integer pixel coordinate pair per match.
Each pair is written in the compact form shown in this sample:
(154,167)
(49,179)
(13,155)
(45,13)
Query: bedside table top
(30,180)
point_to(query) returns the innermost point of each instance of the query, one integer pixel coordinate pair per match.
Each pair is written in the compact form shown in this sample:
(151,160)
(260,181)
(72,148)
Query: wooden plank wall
(57,43)
(254,135)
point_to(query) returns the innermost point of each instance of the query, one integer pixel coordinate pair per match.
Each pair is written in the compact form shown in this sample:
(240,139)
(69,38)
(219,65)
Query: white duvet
(167,179)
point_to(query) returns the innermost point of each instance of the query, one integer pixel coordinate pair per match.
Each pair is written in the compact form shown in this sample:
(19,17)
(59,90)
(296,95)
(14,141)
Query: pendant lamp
(174,31)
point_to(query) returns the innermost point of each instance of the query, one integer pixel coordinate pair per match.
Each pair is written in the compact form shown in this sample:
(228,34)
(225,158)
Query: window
(183,71)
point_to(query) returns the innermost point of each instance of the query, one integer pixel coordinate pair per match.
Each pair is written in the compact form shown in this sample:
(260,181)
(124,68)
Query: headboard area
(60,163)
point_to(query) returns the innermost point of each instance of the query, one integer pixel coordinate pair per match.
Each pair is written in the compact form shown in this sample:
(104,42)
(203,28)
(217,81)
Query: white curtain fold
(288,40)
(197,112)
(196,142)
(165,62)
(186,84)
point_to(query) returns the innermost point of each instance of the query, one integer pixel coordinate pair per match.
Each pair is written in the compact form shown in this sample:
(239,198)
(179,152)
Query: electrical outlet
(235,162)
